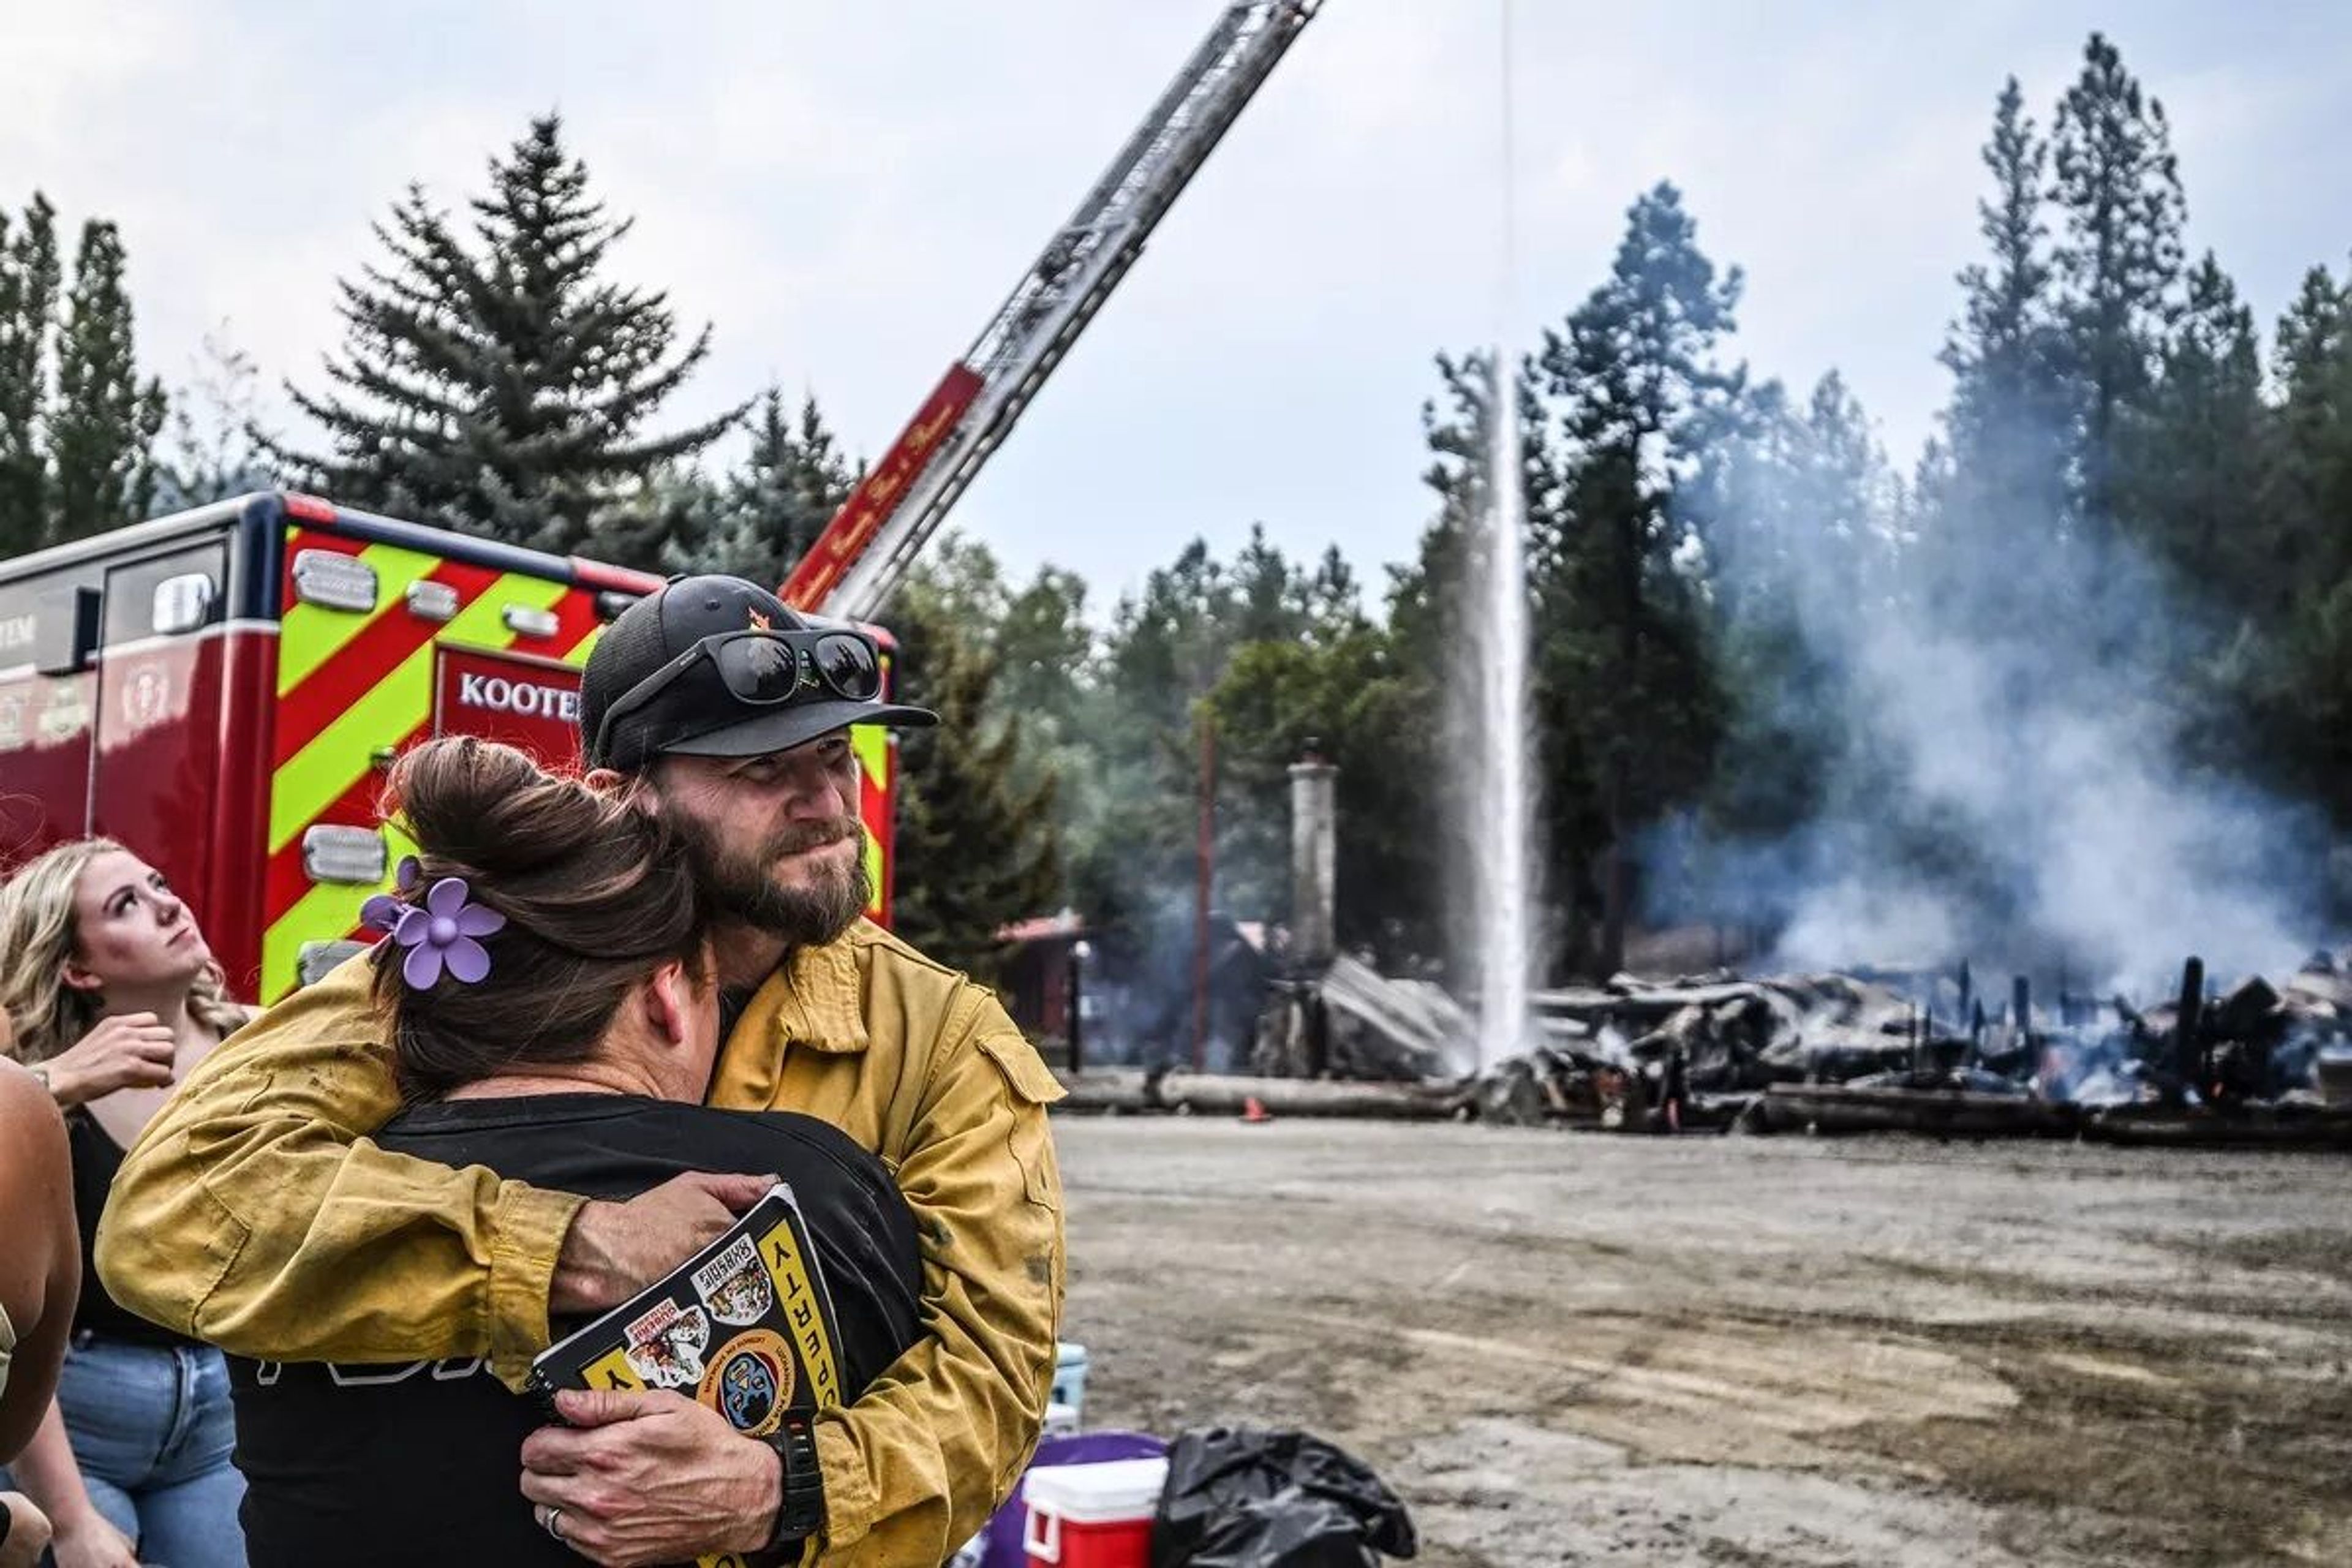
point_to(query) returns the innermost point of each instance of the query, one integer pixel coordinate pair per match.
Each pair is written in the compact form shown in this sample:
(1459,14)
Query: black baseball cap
(693,714)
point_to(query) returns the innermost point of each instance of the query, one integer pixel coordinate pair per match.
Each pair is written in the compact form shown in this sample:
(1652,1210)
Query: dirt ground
(1580,1349)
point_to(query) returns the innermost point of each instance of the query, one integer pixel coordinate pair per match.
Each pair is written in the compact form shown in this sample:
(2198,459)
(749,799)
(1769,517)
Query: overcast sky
(847,190)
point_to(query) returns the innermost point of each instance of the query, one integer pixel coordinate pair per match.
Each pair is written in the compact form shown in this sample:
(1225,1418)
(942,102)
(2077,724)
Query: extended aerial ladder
(865,550)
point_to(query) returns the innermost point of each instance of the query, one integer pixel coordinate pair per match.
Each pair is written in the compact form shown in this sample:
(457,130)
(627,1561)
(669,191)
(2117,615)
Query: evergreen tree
(771,508)
(1638,395)
(102,434)
(2118,259)
(1357,699)
(659,523)
(28,305)
(2301,682)
(2006,466)
(975,853)
(2197,456)
(2309,493)
(1804,539)
(1046,649)
(503,388)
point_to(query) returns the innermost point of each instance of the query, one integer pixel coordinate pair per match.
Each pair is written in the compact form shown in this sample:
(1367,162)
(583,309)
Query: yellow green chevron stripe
(342,751)
(872,744)
(341,754)
(311,634)
(328,913)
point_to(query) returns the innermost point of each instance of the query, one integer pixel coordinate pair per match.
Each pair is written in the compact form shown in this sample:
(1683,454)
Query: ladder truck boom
(864,551)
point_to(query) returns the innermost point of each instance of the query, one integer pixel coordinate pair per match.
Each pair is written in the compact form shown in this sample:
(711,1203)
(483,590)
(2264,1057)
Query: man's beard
(741,885)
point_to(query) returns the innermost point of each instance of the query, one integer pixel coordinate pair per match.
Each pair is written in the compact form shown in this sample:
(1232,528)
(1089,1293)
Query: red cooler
(1092,1516)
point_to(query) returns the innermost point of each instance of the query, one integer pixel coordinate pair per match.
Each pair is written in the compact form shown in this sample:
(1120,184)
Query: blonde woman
(113,995)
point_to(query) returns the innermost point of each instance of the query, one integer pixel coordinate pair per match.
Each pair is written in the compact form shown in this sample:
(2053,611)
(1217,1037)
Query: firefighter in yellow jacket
(256,1213)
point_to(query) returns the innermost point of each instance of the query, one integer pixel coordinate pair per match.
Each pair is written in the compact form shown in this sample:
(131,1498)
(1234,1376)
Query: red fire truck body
(222,690)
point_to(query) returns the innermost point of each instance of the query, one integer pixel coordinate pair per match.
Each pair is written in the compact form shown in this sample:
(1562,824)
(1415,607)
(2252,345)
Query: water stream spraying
(1502,806)
(1503,832)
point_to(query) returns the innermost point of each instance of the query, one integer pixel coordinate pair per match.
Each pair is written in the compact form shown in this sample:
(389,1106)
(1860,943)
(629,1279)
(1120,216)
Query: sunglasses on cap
(764,669)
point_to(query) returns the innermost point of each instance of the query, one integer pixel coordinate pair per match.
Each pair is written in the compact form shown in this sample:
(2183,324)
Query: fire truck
(223,689)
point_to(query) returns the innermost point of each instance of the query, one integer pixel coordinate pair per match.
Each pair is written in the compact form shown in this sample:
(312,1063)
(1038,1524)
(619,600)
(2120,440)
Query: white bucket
(1070,1378)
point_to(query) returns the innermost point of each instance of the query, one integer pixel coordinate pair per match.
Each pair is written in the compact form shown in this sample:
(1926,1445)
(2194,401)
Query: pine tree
(2310,490)
(2006,426)
(660,522)
(2302,683)
(28,304)
(503,388)
(2119,261)
(1638,394)
(1045,648)
(772,507)
(1358,700)
(102,434)
(1168,644)
(1805,547)
(2197,456)
(974,852)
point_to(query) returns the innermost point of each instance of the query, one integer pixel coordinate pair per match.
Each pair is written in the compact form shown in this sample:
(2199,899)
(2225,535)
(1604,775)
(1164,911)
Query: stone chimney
(1314,854)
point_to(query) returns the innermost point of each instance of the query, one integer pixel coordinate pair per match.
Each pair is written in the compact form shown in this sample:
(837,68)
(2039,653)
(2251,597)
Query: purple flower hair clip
(440,934)
(383,911)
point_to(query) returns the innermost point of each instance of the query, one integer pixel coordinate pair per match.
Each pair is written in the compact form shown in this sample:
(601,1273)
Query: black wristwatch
(801,1512)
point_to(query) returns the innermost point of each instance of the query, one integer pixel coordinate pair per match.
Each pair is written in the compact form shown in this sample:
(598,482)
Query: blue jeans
(152,1430)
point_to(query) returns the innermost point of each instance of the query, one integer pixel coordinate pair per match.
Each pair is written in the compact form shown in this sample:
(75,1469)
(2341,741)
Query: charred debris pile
(2263,1062)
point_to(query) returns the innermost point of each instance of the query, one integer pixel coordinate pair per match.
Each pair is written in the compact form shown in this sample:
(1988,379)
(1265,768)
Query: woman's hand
(90,1542)
(28,1531)
(134,1051)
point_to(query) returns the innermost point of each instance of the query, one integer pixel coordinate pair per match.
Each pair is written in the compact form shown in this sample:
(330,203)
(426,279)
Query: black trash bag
(1242,1497)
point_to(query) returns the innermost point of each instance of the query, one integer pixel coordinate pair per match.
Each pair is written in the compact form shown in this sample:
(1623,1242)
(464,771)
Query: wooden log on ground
(1943,1113)
(1209,1094)
(2202,1127)
(1107,1089)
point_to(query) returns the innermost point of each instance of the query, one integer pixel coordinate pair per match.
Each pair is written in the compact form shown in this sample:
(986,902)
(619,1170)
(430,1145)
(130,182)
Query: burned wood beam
(2187,1056)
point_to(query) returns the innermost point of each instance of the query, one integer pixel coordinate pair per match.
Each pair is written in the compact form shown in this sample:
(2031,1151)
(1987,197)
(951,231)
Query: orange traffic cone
(1254,1109)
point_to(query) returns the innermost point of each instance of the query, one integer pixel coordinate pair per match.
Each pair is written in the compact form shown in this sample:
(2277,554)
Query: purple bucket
(1003,1532)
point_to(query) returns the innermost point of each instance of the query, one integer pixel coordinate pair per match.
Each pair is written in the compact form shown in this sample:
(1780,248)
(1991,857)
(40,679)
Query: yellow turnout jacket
(255,1214)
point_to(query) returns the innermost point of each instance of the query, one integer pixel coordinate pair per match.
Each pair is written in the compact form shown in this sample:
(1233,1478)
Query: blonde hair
(37,936)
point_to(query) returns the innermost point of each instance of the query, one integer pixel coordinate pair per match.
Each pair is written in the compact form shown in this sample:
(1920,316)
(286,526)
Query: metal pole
(1077,1009)
(1205,874)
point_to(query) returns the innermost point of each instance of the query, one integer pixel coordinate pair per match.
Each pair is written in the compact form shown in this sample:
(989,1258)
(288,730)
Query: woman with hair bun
(554,1017)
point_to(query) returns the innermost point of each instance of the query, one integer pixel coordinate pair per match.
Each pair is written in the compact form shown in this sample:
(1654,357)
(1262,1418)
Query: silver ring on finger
(551,1521)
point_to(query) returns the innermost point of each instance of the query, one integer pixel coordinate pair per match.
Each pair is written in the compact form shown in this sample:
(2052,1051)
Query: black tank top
(96,1159)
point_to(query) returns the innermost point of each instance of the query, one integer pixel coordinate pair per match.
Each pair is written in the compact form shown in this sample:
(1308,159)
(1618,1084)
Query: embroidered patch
(750,1382)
